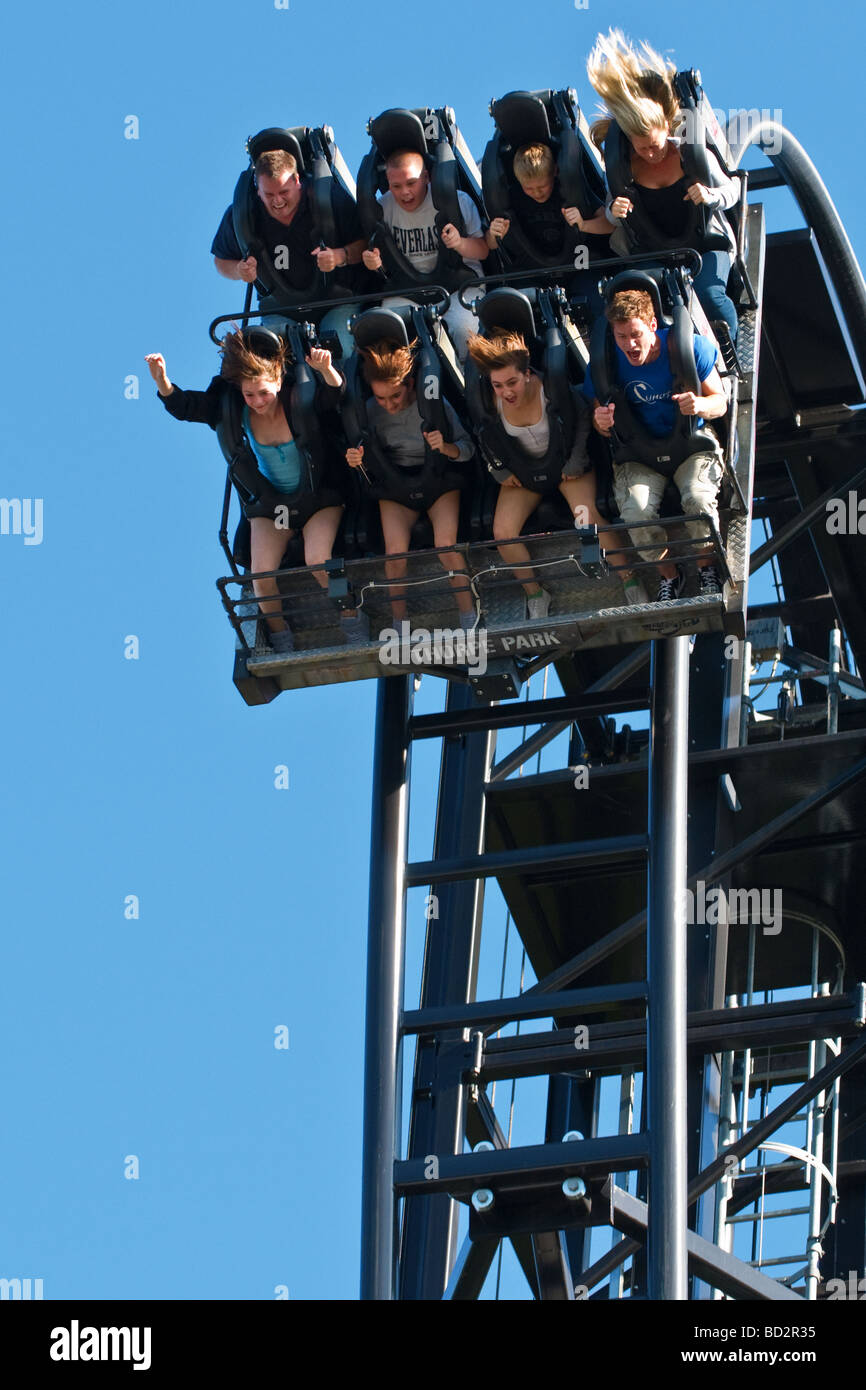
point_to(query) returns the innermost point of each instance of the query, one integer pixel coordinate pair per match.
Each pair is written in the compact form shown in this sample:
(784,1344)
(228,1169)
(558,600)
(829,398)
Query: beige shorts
(638,491)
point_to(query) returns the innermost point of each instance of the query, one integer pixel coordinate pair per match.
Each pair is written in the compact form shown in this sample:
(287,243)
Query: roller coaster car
(433,134)
(545,118)
(438,378)
(588,608)
(318,160)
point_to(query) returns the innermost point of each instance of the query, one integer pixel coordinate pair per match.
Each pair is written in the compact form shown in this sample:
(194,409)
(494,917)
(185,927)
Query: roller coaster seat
(631,441)
(415,487)
(547,118)
(639,229)
(431,134)
(328,180)
(319,448)
(512,310)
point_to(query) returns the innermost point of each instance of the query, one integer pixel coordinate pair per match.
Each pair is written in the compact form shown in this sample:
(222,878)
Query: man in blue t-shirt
(284,222)
(643,370)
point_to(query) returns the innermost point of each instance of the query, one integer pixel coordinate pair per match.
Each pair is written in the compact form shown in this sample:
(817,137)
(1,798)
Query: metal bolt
(482,1199)
(574,1188)
(571,1134)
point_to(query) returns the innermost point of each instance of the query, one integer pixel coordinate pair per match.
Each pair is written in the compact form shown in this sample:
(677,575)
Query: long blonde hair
(635,86)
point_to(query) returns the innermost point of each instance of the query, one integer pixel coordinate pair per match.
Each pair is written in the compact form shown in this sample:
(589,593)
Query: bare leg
(445,516)
(397,523)
(579,493)
(320,533)
(514,507)
(267,545)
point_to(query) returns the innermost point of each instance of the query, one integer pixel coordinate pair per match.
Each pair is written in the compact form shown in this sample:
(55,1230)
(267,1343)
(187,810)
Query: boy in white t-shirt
(410,216)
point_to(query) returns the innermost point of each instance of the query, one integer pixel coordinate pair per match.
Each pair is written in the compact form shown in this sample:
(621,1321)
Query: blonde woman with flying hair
(636,86)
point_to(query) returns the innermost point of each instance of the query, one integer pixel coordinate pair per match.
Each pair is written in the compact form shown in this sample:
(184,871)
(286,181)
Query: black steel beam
(382,1088)
(520,1006)
(535,1165)
(481,1121)
(429,1236)
(818,608)
(709,1262)
(764,178)
(552,1268)
(515,715)
(471,1269)
(600,950)
(626,850)
(573,1103)
(764,1128)
(612,1046)
(800,523)
(848,1059)
(622,671)
(713,760)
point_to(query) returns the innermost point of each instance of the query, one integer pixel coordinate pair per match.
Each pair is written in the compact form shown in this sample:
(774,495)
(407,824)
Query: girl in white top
(523,408)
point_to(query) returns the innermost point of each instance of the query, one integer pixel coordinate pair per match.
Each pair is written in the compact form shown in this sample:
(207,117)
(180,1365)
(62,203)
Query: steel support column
(387,913)
(429,1241)
(666,961)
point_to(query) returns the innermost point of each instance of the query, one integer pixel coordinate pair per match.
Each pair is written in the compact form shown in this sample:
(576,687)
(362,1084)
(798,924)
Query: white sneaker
(539,606)
(635,592)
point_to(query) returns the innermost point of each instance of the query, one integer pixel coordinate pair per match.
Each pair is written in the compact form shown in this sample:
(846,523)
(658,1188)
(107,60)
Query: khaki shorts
(638,491)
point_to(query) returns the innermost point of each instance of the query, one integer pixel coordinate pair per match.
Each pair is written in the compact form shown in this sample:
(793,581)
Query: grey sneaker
(539,606)
(356,630)
(282,642)
(670,589)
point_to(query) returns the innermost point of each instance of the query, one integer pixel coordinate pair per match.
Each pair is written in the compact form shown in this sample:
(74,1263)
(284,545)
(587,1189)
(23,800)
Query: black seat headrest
(276,138)
(521,118)
(263,341)
(637,280)
(507,308)
(382,325)
(398,129)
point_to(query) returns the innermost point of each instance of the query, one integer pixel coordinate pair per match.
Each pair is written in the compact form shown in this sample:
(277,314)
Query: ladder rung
(766,1215)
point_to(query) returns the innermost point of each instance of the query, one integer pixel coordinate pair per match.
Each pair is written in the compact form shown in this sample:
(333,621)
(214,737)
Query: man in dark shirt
(537,204)
(284,223)
(539,210)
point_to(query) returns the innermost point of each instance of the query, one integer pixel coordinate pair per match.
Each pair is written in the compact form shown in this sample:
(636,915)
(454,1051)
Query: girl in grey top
(434,467)
(400,430)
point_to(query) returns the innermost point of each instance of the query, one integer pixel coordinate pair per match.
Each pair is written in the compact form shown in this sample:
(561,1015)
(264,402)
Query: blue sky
(154,1037)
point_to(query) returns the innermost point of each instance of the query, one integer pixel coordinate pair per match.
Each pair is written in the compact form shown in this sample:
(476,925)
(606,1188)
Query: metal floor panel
(588,609)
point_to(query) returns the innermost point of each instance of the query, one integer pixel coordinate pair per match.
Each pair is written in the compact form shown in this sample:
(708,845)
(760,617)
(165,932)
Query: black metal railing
(359,583)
